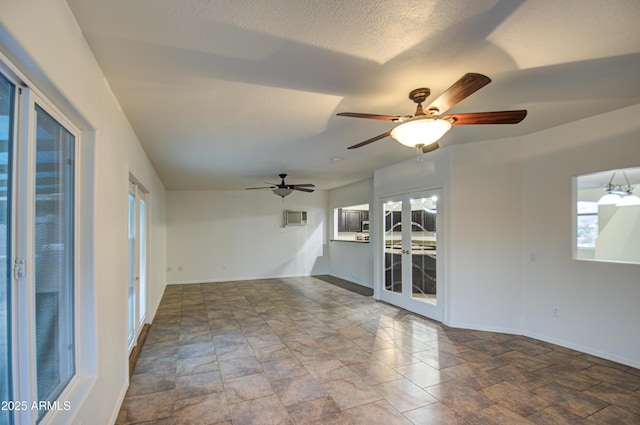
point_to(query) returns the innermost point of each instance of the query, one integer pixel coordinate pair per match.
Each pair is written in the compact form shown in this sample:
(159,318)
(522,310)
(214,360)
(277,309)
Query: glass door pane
(54,253)
(423,249)
(143,261)
(131,297)
(393,246)
(7,92)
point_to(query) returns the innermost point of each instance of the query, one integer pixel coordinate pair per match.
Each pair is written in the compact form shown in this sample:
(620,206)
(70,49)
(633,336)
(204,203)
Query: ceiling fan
(284,189)
(423,129)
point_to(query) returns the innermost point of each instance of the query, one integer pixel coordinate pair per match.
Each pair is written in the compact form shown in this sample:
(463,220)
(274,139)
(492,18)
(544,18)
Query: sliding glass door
(37,253)
(7,112)
(412,256)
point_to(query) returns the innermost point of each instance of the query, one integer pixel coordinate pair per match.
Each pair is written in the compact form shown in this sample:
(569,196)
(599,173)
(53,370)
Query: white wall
(237,234)
(509,235)
(598,302)
(352,261)
(485,234)
(480,235)
(46,43)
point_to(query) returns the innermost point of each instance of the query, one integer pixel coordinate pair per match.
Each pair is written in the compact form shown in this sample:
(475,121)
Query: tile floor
(306,351)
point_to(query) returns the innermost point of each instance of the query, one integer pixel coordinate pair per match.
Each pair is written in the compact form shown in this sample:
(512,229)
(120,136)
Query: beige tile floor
(305,351)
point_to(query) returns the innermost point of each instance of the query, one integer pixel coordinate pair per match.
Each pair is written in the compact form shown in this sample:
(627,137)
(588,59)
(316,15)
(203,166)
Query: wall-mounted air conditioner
(295,218)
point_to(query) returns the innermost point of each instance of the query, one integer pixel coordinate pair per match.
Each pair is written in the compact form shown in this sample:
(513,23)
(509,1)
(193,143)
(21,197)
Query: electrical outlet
(556,312)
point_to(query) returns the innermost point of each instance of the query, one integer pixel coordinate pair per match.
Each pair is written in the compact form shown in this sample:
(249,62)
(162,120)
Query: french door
(412,257)
(137,285)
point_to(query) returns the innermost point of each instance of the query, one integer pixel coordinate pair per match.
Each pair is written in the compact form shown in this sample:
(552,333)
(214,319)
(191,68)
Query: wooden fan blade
(304,185)
(430,148)
(302,189)
(497,117)
(267,187)
(371,116)
(373,139)
(460,90)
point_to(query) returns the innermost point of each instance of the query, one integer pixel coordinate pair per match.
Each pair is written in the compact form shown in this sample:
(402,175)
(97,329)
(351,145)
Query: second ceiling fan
(283,189)
(423,129)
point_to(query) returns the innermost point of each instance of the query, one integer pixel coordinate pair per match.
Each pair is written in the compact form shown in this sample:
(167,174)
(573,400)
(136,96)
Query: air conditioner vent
(295,218)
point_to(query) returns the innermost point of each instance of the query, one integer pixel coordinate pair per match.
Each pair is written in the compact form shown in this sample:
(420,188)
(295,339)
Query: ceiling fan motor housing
(419,95)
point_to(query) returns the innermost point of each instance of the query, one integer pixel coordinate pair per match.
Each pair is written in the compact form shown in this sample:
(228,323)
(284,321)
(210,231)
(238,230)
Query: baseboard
(238,279)
(544,338)
(475,327)
(135,353)
(583,349)
(116,412)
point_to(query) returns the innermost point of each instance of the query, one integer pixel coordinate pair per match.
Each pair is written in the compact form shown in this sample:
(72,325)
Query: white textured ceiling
(225,94)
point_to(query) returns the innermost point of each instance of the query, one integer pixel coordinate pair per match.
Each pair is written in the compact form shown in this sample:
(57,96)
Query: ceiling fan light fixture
(282,191)
(421,131)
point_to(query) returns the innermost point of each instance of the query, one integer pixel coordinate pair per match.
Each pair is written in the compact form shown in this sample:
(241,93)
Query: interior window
(607,218)
(351,223)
